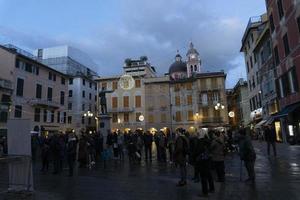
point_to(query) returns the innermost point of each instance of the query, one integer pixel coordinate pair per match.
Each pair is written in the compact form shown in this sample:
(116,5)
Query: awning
(286,111)
(260,124)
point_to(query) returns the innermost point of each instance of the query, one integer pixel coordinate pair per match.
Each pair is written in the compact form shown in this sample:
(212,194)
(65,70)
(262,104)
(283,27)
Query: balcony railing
(212,120)
(120,110)
(6,84)
(44,103)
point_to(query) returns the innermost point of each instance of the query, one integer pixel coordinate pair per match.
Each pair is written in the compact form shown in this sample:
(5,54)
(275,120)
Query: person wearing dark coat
(180,157)
(45,156)
(192,157)
(247,154)
(148,139)
(55,150)
(217,148)
(71,153)
(270,137)
(204,163)
(83,152)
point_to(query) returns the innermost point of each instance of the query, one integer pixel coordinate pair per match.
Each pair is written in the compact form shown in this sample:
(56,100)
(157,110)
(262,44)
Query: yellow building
(184,98)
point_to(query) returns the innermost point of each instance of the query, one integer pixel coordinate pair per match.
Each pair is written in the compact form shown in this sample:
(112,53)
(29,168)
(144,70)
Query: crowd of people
(205,152)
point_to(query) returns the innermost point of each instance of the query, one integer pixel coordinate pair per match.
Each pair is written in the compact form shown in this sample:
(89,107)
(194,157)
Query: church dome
(177,66)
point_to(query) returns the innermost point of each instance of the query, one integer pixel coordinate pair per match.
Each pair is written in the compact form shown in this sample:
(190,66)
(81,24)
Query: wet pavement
(276,178)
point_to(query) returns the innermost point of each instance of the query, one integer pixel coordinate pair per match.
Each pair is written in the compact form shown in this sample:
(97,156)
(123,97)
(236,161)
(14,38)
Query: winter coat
(247,152)
(217,149)
(181,150)
(202,151)
(192,150)
(71,149)
(148,139)
(270,135)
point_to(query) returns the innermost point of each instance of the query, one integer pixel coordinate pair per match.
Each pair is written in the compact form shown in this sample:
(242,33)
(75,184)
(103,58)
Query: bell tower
(193,63)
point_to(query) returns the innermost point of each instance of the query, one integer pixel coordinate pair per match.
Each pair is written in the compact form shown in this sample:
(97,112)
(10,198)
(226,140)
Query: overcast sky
(112,30)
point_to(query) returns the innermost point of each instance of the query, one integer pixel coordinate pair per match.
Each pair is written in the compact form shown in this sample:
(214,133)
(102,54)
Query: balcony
(44,103)
(120,110)
(212,120)
(6,84)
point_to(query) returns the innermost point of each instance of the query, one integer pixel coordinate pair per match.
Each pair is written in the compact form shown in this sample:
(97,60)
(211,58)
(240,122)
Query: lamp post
(219,106)
(89,115)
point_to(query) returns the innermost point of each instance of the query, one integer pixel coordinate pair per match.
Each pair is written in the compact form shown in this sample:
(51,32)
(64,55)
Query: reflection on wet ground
(277,178)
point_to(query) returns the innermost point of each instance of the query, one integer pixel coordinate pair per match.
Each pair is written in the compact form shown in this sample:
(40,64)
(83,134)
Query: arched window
(191,68)
(195,68)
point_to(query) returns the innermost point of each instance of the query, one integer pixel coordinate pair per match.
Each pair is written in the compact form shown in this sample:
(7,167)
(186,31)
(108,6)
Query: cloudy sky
(112,30)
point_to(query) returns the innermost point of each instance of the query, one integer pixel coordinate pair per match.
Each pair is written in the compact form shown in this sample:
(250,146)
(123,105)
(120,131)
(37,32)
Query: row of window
(138,102)
(39,88)
(47,115)
(255,102)
(71,80)
(254,82)
(280,15)
(287,84)
(115,84)
(27,67)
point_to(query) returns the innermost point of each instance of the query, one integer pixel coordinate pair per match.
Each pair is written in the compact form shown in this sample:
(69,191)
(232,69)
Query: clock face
(126,82)
(193,56)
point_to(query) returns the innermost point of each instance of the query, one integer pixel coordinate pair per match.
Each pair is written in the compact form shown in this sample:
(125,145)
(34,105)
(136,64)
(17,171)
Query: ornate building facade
(183,98)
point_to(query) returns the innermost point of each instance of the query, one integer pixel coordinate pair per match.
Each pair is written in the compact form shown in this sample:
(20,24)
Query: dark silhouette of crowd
(205,151)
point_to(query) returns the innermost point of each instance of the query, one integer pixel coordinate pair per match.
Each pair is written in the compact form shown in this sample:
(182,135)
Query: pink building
(284,19)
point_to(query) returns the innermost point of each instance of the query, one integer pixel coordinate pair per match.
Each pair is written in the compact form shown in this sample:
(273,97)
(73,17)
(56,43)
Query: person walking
(193,156)
(55,150)
(45,156)
(217,148)
(270,137)
(82,152)
(148,140)
(247,154)
(171,146)
(71,153)
(180,154)
(121,145)
(204,163)
(156,141)
(162,147)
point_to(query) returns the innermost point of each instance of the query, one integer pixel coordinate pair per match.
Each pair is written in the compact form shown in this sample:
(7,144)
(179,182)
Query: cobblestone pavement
(277,178)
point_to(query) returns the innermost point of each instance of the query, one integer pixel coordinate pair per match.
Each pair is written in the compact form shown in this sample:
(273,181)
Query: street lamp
(141,118)
(219,106)
(89,114)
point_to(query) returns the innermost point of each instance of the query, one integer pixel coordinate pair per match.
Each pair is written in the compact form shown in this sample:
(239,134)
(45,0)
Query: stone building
(238,105)
(82,89)
(183,98)
(251,35)
(284,21)
(37,92)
